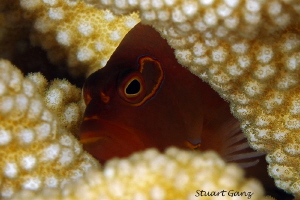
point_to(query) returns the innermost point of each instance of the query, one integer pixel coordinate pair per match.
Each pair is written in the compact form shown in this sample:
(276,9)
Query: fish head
(142,98)
(115,98)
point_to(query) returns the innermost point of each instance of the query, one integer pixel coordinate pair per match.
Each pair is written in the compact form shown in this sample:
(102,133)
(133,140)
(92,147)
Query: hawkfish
(144,98)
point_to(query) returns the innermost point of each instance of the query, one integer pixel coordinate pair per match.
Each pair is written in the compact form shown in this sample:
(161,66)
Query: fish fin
(236,147)
(191,146)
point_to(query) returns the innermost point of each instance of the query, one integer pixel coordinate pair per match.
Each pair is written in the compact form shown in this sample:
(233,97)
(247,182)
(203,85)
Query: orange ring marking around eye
(142,60)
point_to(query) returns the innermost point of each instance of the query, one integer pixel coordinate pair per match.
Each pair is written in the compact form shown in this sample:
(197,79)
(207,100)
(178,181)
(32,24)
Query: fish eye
(132,88)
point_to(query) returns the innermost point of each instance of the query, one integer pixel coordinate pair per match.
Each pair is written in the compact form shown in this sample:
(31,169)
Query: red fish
(144,98)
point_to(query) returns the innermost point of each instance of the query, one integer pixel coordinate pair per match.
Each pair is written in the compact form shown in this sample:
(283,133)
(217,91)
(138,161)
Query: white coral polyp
(5,136)
(28,162)
(234,70)
(66,156)
(43,130)
(156,192)
(293,62)
(86,29)
(51,2)
(223,10)
(293,149)
(56,13)
(28,88)
(240,48)
(26,135)
(253,88)
(51,152)
(30,4)
(64,38)
(207,2)
(265,54)
(11,170)
(6,104)
(115,36)
(190,8)
(85,54)
(66,140)
(54,98)
(21,103)
(71,114)
(15,81)
(35,110)
(280,171)
(51,181)
(210,18)
(253,5)
(32,183)
(274,8)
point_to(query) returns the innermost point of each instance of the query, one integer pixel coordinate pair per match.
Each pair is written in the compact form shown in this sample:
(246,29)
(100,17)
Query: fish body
(144,98)
(175,108)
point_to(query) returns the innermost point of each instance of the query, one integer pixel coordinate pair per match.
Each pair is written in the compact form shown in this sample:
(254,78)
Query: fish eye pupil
(133,87)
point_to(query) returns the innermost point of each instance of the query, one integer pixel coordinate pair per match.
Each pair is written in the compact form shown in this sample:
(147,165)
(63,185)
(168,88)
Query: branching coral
(36,151)
(224,19)
(65,100)
(249,52)
(177,174)
(74,30)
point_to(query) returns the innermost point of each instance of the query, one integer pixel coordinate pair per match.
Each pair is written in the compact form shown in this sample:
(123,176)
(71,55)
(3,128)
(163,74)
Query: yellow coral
(75,33)
(65,100)
(176,174)
(249,52)
(36,150)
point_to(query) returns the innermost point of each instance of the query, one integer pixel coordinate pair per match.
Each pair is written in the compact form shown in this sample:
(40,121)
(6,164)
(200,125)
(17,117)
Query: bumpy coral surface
(73,32)
(37,151)
(177,174)
(249,52)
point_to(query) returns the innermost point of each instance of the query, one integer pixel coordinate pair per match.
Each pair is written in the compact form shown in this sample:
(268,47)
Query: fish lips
(105,139)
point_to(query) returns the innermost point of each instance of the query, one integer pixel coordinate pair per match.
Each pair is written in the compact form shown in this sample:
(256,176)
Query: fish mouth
(90,130)
(90,139)
(94,129)
(105,139)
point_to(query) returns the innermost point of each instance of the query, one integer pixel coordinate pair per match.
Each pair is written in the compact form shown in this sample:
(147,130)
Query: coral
(249,52)
(36,149)
(176,174)
(224,19)
(75,33)
(65,101)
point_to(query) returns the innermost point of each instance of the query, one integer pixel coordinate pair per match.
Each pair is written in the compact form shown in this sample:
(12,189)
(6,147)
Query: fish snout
(105,139)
